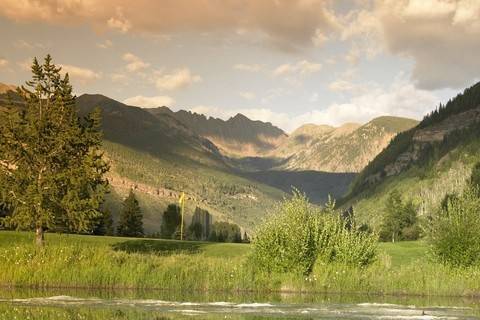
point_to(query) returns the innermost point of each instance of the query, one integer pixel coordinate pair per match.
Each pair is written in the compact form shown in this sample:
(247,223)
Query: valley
(160,154)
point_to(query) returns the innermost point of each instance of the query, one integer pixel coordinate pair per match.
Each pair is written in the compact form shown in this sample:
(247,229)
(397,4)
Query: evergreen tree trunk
(39,237)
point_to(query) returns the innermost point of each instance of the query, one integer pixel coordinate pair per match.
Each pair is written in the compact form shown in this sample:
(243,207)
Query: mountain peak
(393,123)
(240,117)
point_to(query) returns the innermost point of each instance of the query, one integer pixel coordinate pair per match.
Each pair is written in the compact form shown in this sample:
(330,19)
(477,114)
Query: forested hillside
(424,163)
(160,157)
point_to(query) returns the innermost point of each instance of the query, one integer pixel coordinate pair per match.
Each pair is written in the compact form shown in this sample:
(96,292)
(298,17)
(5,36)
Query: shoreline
(475,295)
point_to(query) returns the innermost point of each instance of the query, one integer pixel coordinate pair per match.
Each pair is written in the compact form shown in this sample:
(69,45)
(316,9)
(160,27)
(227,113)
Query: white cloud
(400,99)
(22,44)
(149,102)
(119,22)
(288,25)
(3,62)
(248,67)
(439,36)
(105,45)
(119,78)
(314,97)
(80,75)
(177,79)
(301,67)
(319,39)
(26,64)
(247,95)
(134,63)
(341,85)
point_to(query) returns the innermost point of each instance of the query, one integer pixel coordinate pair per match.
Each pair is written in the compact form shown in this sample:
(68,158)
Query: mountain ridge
(237,136)
(347,148)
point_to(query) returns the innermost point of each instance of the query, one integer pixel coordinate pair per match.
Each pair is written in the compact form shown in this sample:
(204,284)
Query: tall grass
(79,263)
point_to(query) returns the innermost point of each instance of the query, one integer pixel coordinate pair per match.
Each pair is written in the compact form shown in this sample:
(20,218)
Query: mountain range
(236,168)
(237,136)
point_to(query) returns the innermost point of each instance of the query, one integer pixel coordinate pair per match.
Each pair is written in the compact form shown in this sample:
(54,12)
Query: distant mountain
(160,157)
(237,136)
(348,148)
(4,88)
(135,127)
(425,162)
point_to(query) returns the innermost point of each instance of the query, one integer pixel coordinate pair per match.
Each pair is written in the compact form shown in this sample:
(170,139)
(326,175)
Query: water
(156,305)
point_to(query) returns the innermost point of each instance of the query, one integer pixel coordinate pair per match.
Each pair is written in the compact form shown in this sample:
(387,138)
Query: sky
(288,62)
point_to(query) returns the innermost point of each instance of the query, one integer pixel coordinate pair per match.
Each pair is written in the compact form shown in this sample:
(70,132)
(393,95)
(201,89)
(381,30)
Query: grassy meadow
(75,261)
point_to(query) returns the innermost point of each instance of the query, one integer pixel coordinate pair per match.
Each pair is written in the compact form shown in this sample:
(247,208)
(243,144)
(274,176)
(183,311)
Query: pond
(156,305)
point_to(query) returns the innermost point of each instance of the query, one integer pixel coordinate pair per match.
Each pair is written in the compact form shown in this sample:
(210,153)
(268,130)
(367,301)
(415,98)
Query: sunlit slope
(424,163)
(238,136)
(348,148)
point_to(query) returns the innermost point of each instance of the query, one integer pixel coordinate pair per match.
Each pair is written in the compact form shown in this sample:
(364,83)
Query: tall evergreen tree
(103,225)
(131,220)
(171,221)
(51,169)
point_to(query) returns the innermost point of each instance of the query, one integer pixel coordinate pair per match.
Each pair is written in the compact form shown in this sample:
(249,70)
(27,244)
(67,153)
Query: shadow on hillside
(317,185)
(158,247)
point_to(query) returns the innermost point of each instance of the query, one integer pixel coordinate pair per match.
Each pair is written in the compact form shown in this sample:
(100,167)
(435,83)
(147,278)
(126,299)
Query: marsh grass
(108,262)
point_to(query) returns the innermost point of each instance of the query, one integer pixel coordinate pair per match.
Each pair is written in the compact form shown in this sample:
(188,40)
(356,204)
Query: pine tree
(51,169)
(131,224)
(103,225)
(170,222)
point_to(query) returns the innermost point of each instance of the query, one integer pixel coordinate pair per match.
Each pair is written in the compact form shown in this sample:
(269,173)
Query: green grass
(405,252)
(75,261)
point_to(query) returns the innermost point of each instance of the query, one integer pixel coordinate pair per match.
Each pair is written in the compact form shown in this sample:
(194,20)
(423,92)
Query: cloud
(248,67)
(3,62)
(119,22)
(284,24)
(149,102)
(247,95)
(119,78)
(439,36)
(25,65)
(22,44)
(177,79)
(134,63)
(80,75)
(399,99)
(105,45)
(319,39)
(341,85)
(303,67)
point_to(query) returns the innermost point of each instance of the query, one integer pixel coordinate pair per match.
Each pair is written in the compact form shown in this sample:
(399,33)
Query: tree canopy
(51,167)
(131,219)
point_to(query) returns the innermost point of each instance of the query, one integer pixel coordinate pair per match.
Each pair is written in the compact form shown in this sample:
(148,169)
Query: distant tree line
(200,228)
(469,99)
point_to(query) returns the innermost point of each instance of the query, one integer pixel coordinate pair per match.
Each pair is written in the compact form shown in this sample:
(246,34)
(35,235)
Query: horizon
(285,62)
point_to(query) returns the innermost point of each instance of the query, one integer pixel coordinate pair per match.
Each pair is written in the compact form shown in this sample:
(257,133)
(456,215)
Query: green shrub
(455,230)
(288,240)
(298,234)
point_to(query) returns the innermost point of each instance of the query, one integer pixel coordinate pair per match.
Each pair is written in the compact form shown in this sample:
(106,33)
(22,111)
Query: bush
(299,233)
(455,230)
(400,221)
(288,240)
